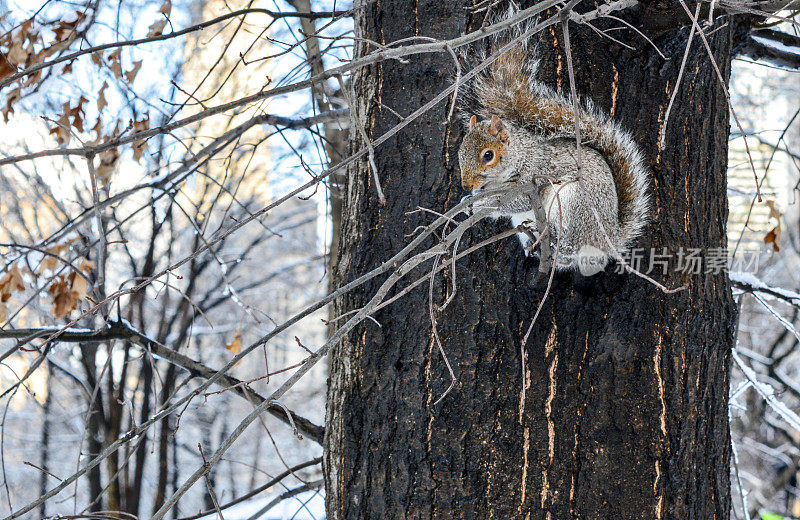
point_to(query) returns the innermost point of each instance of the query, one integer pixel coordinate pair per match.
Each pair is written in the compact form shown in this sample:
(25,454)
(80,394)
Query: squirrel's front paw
(469,210)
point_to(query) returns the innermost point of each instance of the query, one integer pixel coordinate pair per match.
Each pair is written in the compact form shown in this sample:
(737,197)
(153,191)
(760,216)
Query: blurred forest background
(196,233)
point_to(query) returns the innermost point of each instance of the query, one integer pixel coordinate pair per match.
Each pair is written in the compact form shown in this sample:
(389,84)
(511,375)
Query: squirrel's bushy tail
(508,88)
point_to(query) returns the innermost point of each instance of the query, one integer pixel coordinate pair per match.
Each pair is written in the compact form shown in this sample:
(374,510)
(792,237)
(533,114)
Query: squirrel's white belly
(555,201)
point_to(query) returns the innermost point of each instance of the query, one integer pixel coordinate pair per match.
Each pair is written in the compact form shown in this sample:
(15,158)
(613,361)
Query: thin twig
(663,139)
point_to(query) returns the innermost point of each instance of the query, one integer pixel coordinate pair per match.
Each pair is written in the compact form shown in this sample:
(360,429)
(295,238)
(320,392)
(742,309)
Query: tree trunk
(94,425)
(44,443)
(625,387)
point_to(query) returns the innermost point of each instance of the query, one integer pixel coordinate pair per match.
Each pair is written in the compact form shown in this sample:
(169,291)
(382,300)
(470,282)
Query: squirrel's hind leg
(527,239)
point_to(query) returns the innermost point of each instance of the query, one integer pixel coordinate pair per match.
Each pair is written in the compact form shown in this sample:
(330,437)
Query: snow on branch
(747,282)
(777,47)
(768,393)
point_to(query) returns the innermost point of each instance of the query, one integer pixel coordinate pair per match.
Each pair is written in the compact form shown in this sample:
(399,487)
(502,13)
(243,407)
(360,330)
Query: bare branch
(751,284)
(776,47)
(118,330)
(132,43)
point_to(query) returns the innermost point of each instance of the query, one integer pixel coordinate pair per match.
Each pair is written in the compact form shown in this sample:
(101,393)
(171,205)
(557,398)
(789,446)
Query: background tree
(620,410)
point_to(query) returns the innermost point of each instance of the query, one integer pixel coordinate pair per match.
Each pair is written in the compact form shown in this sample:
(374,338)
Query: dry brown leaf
(138,149)
(97,58)
(108,161)
(101,98)
(32,79)
(70,117)
(63,302)
(131,74)
(16,279)
(3,312)
(67,291)
(50,262)
(774,238)
(140,146)
(166,7)
(773,211)
(235,346)
(86,265)
(10,282)
(11,98)
(18,53)
(66,29)
(78,285)
(114,60)
(97,129)
(157,28)
(77,114)
(61,131)
(6,68)
(142,124)
(42,55)
(116,68)
(25,28)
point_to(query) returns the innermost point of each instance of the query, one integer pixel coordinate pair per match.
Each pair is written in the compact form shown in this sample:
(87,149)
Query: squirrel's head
(481,154)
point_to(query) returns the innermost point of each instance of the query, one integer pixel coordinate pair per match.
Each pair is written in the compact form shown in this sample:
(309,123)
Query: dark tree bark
(44,443)
(135,489)
(94,425)
(625,408)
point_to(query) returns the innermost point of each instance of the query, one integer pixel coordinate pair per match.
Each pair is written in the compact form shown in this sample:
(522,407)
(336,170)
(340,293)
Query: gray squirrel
(522,133)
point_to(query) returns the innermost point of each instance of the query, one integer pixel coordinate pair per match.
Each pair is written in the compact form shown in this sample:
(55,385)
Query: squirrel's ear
(472,122)
(498,129)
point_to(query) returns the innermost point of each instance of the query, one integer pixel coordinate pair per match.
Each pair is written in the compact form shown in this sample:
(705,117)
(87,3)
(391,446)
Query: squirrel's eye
(488,156)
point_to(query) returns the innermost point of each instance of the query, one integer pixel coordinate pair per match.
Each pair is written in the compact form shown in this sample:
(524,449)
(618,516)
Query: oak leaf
(131,74)
(6,68)
(67,290)
(12,97)
(774,235)
(114,60)
(108,162)
(50,261)
(101,97)
(774,238)
(139,146)
(10,282)
(235,346)
(157,28)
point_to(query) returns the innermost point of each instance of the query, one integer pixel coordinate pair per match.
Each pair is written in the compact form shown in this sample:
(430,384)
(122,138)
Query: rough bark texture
(625,409)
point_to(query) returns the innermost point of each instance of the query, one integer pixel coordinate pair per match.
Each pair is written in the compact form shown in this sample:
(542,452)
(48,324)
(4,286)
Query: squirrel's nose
(467,182)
